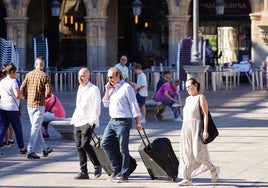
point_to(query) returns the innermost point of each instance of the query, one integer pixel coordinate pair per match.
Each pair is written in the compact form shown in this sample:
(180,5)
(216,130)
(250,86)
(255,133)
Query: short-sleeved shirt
(165,87)
(8,100)
(123,69)
(142,81)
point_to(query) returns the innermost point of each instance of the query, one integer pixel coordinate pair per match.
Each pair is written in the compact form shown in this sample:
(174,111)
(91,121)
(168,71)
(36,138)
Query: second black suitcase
(104,160)
(159,158)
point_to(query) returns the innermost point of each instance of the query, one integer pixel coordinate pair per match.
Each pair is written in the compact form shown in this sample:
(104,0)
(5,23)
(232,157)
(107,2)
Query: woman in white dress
(194,156)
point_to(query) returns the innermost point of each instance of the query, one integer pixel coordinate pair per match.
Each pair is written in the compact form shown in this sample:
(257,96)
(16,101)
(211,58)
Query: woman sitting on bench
(53,111)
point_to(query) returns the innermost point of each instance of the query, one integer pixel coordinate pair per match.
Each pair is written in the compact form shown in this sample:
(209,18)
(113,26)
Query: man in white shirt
(122,67)
(85,119)
(123,107)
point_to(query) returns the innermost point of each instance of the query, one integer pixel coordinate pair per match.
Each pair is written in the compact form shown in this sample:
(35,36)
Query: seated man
(53,111)
(163,79)
(169,95)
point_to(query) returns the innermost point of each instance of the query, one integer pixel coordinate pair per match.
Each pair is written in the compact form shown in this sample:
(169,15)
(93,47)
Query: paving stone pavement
(241,150)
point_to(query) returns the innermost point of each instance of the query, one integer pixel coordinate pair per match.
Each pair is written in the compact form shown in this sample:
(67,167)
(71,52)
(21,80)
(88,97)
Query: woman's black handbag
(212,129)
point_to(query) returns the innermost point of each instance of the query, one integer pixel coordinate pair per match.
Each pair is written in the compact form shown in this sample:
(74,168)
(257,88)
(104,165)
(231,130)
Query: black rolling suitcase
(104,160)
(159,158)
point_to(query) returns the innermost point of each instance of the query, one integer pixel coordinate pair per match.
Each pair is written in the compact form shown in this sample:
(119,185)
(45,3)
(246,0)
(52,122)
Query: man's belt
(120,119)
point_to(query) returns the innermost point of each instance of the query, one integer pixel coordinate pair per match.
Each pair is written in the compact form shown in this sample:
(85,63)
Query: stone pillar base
(197,72)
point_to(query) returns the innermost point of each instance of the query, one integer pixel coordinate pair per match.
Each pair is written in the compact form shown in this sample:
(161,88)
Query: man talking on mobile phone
(123,107)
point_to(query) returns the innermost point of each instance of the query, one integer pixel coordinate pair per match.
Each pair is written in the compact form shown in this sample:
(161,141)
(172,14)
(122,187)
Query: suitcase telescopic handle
(95,138)
(146,137)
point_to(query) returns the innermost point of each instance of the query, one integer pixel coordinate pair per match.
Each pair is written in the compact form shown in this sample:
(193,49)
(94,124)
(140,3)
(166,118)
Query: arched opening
(146,41)
(72,31)
(66,34)
(227,34)
(38,13)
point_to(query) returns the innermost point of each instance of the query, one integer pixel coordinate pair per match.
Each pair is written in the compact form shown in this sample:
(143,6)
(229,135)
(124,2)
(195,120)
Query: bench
(64,127)
(152,109)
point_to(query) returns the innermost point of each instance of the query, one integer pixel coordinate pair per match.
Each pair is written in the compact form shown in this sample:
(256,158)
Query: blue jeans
(169,103)
(120,129)
(12,117)
(36,119)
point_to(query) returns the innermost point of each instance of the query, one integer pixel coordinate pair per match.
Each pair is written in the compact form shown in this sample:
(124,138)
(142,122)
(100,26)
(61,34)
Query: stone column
(177,31)
(17,31)
(257,52)
(96,42)
(259,35)
(197,72)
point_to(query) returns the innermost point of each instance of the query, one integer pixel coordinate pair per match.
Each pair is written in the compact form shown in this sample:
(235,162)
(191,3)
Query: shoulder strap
(200,109)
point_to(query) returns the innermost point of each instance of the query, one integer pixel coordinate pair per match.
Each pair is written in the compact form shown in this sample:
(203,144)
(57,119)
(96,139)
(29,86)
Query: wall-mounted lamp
(177,2)
(219,7)
(55,8)
(146,24)
(15,3)
(136,7)
(94,2)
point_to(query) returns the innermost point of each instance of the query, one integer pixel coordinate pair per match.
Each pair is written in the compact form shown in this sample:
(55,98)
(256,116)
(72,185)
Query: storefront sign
(237,7)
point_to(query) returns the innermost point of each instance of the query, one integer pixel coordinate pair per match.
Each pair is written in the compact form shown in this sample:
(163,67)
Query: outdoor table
(257,78)
(231,79)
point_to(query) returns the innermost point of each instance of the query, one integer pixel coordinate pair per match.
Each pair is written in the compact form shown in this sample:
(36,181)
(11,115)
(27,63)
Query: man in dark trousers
(85,118)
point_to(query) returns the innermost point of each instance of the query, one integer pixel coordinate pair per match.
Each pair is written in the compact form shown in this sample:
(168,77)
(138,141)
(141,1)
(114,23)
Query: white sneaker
(178,119)
(175,105)
(143,120)
(185,182)
(215,174)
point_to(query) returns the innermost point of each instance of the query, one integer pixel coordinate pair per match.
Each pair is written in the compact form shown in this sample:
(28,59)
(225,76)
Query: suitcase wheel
(174,178)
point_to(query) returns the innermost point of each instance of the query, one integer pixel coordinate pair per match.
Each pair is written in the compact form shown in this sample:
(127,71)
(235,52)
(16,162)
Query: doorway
(144,41)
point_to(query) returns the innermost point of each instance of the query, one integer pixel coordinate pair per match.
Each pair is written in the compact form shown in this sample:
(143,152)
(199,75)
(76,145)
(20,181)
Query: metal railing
(67,80)
(8,52)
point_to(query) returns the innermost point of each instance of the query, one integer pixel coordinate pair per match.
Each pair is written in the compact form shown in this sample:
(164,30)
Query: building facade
(94,33)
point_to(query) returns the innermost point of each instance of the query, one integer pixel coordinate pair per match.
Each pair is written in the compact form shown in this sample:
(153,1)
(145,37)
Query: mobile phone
(111,84)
